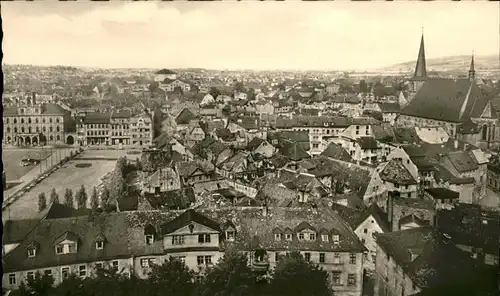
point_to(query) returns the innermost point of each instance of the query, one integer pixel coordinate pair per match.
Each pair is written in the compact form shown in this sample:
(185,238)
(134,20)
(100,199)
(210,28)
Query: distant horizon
(297,36)
(256,70)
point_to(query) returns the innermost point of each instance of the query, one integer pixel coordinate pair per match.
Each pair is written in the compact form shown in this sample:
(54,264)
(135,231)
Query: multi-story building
(34,123)
(141,129)
(77,245)
(115,128)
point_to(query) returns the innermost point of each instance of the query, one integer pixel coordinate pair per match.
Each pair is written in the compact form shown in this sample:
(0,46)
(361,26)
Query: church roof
(420,67)
(443,99)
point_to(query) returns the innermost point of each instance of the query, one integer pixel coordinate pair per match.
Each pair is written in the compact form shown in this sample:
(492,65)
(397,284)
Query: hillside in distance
(452,63)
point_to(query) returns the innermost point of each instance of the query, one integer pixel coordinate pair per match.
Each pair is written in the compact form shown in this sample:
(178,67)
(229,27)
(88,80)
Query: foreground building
(134,241)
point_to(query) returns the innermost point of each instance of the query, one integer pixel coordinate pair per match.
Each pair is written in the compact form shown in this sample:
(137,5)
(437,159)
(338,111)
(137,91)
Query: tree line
(230,276)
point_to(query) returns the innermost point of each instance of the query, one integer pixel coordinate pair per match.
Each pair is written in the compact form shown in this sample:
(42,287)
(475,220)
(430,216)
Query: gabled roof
(367,143)
(462,161)
(254,143)
(186,218)
(14,231)
(293,151)
(442,99)
(187,168)
(48,232)
(185,116)
(336,151)
(412,218)
(395,172)
(173,199)
(443,193)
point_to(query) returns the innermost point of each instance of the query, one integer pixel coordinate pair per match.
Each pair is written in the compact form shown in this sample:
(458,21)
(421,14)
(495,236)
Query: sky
(291,35)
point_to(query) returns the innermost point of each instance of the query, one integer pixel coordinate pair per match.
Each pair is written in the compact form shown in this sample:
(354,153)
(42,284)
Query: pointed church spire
(420,68)
(472,71)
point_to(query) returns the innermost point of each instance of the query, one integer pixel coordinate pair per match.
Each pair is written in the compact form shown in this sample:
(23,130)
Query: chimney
(455,144)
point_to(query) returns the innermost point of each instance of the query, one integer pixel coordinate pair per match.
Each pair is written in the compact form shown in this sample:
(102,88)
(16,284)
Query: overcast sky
(238,35)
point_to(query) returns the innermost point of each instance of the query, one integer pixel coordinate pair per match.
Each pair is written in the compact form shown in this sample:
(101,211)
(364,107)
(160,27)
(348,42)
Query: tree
(363,87)
(230,276)
(138,164)
(81,198)
(294,276)
(173,277)
(40,285)
(94,200)
(42,201)
(105,197)
(178,90)
(54,197)
(68,198)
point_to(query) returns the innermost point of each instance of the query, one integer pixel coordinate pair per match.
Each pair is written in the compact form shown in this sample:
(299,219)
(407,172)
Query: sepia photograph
(250,148)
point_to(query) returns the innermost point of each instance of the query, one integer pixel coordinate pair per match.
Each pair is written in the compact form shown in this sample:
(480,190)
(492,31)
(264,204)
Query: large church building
(457,105)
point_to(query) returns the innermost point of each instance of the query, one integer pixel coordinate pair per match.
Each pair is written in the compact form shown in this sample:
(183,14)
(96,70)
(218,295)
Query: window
(150,238)
(204,238)
(277,236)
(71,248)
(351,279)
(177,240)
(324,237)
(301,236)
(99,265)
(365,230)
(230,235)
(352,258)
(30,275)
(276,256)
(59,249)
(204,260)
(65,272)
(336,278)
(114,264)
(336,238)
(12,279)
(363,240)
(315,145)
(288,237)
(312,236)
(31,252)
(99,245)
(307,256)
(321,257)
(147,262)
(208,260)
(48,272)
(336,258)
(82,271)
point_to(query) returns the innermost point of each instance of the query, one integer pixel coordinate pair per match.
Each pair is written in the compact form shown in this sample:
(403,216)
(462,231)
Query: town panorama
(221,182)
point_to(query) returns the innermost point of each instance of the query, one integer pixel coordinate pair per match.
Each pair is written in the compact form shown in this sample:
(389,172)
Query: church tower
(472,71)
(420,74)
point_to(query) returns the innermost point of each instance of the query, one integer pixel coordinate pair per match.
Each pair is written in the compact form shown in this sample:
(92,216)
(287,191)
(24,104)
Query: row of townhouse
(115,128)
(133,241)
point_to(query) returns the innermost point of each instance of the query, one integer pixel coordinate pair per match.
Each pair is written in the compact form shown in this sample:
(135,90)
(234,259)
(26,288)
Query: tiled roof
(254,143)
(412,218)
(173,199)
(383,132)
(336,151)
(275,195)
(442,99)
(96,118)
(465,224)
(462,161)
(112,226)
(416,203)
(208,144)
(437,260)
(185,116)
(186,218)
(443,193)
(367,143)
(14,231)
(47,109)
(121,114)
(293,150)
(395,172)
(406,136)
(390,107)
(442,173)
(187,168)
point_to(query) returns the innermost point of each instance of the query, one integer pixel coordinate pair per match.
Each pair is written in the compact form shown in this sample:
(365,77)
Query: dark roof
(254,143)
(208,144)
(165,71)
(185,116)
(443,193)
(354,217)
(111,226)
(121,114)
(47,109)
(173,199)
(395,172)
(415,203)
(293,151)
(412,218)
(469,225)
(367,143)
(96,118)
(462,161)
(187,168)
(390,107)
(336,151)
(436,260)
(186,218)
(14,231)
(442,99)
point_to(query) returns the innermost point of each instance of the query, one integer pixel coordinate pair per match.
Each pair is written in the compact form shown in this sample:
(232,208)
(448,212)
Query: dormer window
(59,249)
(99,245)
(336,238)
(301,236)
(149,234)
(312,236)
(288,236)
(324,237)
(277,236)
(230,235)
(66,244)
(31,252)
